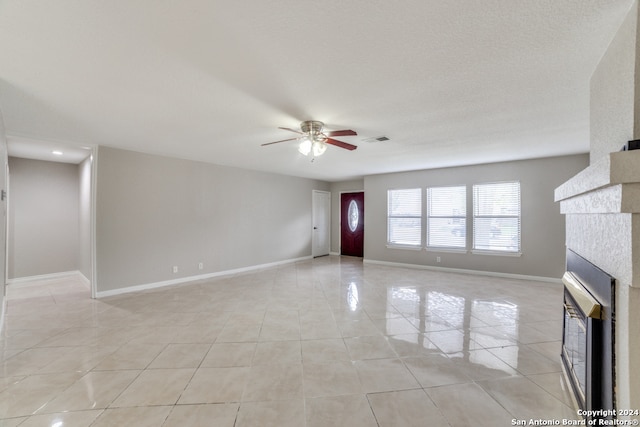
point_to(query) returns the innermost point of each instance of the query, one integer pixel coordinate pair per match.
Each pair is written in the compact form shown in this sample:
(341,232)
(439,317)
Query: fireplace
(588,336)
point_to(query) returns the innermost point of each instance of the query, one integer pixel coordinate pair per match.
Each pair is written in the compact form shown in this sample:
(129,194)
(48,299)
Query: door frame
(92,226)
(313,222)
(340,215)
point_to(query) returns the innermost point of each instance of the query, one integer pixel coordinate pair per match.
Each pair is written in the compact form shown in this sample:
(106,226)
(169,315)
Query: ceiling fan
(314,140)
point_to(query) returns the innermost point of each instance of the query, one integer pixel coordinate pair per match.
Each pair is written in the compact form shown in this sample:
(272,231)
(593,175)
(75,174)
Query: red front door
(352,224)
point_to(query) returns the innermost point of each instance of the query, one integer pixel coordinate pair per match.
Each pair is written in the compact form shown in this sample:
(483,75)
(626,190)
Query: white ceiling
(449,82)
(47,150)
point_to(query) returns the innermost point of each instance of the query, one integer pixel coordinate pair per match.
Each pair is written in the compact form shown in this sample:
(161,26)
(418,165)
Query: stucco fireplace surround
(602,208)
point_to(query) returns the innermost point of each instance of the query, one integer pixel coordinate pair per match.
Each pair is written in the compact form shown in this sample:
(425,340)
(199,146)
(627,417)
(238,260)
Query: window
(404,217)
(354,217)
(446,217)
(496,217)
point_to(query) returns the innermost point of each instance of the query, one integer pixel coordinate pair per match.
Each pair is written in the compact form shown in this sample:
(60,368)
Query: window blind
(496,216)
(446,217)
(404,217)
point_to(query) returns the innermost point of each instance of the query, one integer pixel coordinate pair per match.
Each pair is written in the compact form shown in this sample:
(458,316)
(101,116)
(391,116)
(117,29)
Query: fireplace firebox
(588,335)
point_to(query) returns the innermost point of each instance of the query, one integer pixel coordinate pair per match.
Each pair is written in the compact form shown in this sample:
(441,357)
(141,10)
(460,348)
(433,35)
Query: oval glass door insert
(353,216)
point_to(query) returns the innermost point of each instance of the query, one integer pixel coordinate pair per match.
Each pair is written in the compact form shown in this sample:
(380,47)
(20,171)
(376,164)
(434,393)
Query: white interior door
(320,240)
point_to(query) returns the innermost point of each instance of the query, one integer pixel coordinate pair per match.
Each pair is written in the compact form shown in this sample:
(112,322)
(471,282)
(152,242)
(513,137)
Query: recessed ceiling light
(57,153)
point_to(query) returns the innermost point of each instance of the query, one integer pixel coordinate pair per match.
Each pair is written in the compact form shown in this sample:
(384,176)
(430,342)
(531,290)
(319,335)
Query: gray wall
(153,213)
(336,189)
(43,229)
(543,228)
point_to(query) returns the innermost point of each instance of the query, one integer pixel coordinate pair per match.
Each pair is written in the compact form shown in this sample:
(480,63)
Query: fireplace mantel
(602,204)
(620,168)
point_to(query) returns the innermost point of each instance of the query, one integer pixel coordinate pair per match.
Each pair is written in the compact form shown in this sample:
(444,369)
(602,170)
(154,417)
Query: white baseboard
(62,274)
(147,286)
(84,279)
(465,271)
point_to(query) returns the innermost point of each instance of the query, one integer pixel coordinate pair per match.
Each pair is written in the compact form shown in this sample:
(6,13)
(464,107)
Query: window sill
(405,247)
(496,253)
(448,250)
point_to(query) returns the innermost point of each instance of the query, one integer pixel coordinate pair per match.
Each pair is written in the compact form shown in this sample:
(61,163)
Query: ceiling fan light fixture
(320,137)
(314,143)
(319,147)
(305,146)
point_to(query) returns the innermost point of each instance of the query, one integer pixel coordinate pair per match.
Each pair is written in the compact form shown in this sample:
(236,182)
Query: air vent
(376,139)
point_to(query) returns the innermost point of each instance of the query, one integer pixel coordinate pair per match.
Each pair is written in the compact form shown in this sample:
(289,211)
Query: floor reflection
(458,323)
(352,296)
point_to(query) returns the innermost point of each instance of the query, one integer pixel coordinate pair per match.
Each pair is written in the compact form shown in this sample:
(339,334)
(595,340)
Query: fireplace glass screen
(575,345)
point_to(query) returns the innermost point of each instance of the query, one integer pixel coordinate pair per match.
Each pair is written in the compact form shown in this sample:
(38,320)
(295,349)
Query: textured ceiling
(449,82)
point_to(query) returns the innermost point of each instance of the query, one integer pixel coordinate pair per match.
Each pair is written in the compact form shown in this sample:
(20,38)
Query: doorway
(352,224)
(320,240)
(52,198)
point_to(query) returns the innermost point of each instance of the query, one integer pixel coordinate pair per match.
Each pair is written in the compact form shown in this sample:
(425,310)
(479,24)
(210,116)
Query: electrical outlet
(175,268)
(200,265)
(438,259)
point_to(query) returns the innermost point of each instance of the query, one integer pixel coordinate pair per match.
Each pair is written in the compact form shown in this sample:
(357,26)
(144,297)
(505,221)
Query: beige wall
(543,228)
(153,213)
(43,228)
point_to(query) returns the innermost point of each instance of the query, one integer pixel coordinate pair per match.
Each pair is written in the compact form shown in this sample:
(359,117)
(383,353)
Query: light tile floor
(328,342)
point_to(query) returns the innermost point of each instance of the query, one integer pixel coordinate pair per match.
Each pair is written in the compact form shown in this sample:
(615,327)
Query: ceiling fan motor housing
(311,126)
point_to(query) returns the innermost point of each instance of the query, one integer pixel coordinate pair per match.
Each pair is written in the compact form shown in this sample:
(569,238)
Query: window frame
(463,217)
(391,216)
(497,217)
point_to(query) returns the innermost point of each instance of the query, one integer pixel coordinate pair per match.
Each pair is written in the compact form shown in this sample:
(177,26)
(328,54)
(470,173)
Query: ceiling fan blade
(346,132)
(275,142)
(341,144)
(292,130)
